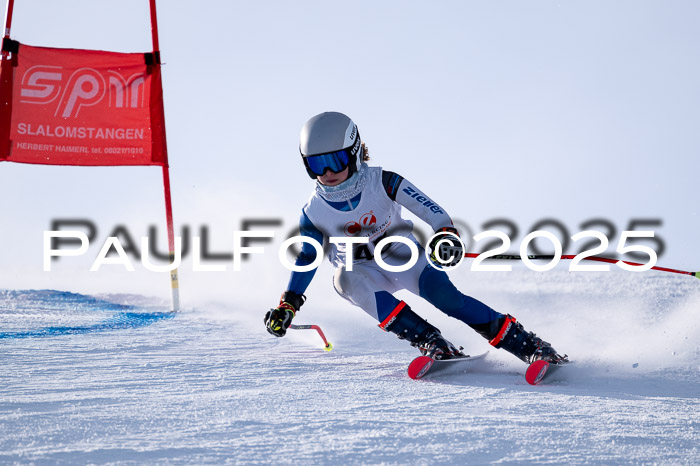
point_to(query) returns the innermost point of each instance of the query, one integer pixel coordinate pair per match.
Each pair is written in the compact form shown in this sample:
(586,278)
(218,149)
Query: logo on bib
(367,221)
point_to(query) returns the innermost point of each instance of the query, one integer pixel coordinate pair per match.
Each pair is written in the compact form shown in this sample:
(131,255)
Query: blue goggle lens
(335,161)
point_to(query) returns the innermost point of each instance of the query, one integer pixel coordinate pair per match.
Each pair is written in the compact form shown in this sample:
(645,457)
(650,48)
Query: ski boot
(408,325)
(505,332)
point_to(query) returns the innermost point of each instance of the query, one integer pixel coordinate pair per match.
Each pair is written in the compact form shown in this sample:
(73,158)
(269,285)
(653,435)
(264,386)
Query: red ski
(423,365)
(539,370)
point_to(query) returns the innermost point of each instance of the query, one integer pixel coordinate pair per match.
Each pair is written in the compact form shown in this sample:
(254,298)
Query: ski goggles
(333,161)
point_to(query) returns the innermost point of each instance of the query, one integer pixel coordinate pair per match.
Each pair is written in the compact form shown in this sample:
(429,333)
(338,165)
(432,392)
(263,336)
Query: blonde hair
(365,153)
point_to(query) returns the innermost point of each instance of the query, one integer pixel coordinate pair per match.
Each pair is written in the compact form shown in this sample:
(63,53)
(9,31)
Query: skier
(352,199)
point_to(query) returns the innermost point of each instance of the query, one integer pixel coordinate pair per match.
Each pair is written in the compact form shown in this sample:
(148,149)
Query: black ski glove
(451,254)
(279,319)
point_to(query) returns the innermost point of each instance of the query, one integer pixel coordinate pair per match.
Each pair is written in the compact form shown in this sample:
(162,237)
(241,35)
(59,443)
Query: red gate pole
(166,174)
(8,22)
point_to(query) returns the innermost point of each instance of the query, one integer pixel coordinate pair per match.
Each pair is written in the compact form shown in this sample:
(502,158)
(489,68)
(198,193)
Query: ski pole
(571,256)
(328,345)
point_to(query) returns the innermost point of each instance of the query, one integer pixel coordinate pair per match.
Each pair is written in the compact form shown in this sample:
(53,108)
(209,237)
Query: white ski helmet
(330,140)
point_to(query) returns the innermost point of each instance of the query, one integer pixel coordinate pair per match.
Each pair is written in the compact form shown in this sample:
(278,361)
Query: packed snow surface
(117,379)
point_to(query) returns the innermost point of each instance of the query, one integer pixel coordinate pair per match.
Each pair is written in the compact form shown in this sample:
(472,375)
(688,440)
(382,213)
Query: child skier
(352,199)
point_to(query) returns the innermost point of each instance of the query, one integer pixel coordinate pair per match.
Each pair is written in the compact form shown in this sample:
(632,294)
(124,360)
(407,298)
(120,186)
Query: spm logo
(84,87)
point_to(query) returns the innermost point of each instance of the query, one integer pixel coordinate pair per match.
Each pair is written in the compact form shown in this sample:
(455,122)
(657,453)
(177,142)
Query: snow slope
(123,383)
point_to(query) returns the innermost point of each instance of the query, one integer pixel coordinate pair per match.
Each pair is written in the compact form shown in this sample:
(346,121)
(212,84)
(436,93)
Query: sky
(581,112)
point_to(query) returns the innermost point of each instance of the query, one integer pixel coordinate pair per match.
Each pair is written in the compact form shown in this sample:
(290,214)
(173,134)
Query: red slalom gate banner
(85,107)
(81,107)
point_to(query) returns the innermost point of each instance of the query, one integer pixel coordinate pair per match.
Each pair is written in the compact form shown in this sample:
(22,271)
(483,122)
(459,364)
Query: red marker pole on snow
(571,256)
(174,282)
